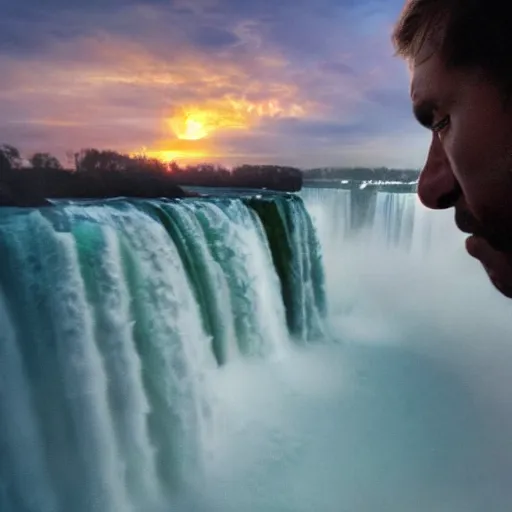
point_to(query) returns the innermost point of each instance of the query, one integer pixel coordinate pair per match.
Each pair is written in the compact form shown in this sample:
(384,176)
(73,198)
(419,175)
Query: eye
(441,125)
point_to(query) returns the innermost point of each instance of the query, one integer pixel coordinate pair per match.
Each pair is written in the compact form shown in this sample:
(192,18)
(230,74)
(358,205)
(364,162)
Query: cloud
(286,80)
(213,37)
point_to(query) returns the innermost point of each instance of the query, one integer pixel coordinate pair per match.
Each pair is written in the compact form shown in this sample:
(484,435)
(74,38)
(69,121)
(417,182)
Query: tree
(12,154)
(45,161)
(145,164)
(5,163)
(93,160)
(274,177)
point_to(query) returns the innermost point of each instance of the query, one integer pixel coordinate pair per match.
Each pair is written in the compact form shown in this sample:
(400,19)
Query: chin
(504,289)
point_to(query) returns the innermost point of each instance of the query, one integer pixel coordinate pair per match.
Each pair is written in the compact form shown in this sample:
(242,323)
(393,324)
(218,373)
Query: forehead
(432,87)
(427,76)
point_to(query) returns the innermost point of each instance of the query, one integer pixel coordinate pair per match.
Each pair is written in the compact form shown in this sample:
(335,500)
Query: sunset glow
(242,80)
(194,123)
(177,150)
(168,156)
(191,125)
(194,130)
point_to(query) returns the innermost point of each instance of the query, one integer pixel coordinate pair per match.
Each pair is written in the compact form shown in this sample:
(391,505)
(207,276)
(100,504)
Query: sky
(309,83)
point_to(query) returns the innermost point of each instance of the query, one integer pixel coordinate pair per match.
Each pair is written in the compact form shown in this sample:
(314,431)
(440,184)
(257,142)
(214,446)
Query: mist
(407,408)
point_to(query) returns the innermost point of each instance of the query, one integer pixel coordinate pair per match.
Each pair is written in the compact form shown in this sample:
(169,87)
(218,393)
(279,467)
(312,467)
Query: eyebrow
(424,112)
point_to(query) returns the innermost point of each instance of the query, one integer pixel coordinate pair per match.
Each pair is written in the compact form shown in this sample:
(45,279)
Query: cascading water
(113,318)
(159,355)
(420,318)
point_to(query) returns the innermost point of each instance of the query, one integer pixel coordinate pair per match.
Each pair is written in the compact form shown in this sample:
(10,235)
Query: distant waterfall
(380,217)
(362,230)
(113,314)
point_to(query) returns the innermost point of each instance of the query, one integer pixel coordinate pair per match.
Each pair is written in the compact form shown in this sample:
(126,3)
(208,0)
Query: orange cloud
(188,97)
(198,121)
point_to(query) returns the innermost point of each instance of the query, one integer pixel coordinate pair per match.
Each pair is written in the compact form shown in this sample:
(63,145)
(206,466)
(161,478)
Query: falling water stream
(336,351)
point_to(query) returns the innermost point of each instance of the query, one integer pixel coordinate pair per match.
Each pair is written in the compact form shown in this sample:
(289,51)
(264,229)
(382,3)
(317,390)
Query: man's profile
(460,58)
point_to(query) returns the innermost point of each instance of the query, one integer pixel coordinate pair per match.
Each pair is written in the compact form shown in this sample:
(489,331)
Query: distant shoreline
(33,187)
(397,187)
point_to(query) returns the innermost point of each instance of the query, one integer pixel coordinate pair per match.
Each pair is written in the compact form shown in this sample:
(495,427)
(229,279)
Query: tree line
(102,163)
(106,173)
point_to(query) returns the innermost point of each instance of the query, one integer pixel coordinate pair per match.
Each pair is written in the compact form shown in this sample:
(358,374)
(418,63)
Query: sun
(190,126)
(194,130)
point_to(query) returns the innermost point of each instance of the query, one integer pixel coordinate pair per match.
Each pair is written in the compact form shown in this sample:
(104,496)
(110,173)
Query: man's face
(469,164)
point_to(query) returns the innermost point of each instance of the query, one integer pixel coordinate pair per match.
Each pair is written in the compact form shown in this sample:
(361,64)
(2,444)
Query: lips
(466,222)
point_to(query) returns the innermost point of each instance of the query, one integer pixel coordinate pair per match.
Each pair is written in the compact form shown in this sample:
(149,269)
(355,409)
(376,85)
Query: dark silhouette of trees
(108,173)
(62,184)
(100,175)
(89,160)
(201,175)
(12,155)
(5,163)
(14,189)
(45,161)
(271,177)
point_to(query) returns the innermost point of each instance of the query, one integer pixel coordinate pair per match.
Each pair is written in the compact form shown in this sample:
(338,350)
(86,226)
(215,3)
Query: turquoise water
(114,317)
(326,352)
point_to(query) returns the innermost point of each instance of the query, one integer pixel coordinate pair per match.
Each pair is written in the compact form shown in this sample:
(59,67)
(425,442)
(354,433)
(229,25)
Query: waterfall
(114,315)
(176,355)
(385,218)
(364,234)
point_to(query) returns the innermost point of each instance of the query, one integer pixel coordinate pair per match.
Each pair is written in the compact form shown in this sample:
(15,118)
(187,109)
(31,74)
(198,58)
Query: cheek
(482,166)
(487,191)
(465,158)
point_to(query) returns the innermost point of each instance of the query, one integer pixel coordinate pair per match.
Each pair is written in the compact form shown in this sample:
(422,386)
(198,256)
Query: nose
(437,187)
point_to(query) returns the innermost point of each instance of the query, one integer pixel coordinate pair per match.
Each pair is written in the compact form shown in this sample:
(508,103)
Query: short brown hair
(467,33)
